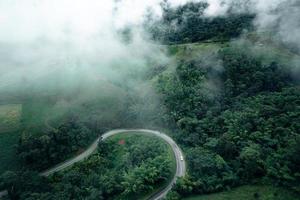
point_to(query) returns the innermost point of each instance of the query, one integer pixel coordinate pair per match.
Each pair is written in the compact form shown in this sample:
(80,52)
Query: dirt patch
(121,142)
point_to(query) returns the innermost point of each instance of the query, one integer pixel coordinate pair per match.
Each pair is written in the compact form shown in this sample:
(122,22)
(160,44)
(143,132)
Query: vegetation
(10,115)
(8,140)
(188,23)
(232,104)
(250,193)
(47,150)
(237,122)
(36,114)
(125,167)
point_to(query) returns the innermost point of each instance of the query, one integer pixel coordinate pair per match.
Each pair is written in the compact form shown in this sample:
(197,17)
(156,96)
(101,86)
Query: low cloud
(78,39)
(281,17)
(40,37)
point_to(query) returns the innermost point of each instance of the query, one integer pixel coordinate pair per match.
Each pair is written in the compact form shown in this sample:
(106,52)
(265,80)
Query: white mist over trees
(282,16)
(38,36)
(68,37)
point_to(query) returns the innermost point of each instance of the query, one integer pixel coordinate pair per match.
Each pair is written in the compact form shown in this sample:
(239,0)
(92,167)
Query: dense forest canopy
(245,130)
(188,23)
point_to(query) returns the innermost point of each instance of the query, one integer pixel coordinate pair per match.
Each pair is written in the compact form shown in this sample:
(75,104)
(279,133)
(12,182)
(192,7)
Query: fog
(94,45)
(68,37)
(73,39)
(281,17)
(82,57)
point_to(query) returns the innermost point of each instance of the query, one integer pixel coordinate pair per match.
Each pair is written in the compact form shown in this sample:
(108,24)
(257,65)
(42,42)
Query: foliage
(188,23)
(250,192)
(238,124)
(57,145)
(18,185)
(116,171)
(10,117)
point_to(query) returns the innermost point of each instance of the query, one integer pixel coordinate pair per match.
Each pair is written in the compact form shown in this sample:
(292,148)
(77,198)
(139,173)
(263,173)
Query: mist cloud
(39,37)
(281,17)
(78,39)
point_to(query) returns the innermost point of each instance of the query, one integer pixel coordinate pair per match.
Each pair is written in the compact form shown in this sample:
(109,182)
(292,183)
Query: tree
(8,182)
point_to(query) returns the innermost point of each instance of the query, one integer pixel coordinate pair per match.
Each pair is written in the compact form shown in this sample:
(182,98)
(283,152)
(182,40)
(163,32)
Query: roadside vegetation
(237,114)
(124,167)
(38,153)
(250,192)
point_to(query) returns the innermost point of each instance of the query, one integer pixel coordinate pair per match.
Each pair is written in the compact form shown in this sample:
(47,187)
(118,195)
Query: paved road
(180,171)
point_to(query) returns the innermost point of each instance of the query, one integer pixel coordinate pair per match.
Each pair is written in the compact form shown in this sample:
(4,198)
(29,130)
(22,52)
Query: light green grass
(120,153)
(10,117)
(191,51)
(250,192)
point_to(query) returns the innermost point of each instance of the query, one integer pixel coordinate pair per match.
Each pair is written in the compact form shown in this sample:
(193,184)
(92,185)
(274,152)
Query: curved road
(180,163)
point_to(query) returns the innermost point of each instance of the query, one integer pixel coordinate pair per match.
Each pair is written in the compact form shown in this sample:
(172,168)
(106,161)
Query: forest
(225,90)
(116,171)
(247,131)
(187,23)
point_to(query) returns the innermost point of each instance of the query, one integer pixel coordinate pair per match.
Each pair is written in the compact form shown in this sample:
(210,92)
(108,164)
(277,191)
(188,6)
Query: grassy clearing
(190,51)
(10,117)
(120,152)
(250,192)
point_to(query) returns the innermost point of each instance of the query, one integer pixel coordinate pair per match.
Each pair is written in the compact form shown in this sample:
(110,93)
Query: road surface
(180,169)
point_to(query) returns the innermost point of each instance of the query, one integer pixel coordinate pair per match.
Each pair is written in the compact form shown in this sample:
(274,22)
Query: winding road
(180,163)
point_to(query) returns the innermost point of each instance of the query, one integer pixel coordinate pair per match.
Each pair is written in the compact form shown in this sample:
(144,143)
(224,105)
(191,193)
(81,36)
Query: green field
(10,115)
(250,192)
(120,152)
(192,50)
